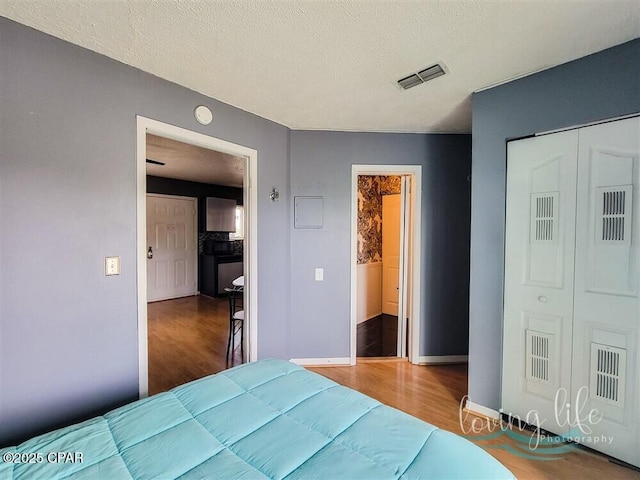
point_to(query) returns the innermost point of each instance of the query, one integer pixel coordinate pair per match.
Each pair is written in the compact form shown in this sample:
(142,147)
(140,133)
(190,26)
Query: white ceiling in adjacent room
(189,162)
(333,65)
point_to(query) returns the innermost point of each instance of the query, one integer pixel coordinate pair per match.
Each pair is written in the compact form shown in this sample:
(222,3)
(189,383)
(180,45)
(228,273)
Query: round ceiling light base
(203,115)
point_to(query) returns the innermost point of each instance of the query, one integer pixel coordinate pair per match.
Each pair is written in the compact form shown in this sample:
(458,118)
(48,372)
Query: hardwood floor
(187,340)
(433,394)
(377,337)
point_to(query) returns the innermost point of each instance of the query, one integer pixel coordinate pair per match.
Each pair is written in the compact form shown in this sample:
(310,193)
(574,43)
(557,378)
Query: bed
(269,419)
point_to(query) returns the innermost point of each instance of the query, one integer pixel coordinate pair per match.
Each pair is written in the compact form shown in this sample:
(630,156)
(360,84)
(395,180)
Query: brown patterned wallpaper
(370,192)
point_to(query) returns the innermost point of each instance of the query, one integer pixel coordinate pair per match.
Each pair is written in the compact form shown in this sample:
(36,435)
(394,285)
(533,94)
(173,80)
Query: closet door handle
(150,253)
(542,299)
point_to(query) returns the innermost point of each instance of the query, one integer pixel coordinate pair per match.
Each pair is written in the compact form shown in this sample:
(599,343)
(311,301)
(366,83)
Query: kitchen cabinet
(221,215)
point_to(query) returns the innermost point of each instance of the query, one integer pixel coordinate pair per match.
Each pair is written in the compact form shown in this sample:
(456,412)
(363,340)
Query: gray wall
(600,86)
(68,334)
(321,165)
(172,186)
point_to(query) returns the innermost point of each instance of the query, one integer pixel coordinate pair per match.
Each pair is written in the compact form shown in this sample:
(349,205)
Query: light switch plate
(111,266)
(319,274)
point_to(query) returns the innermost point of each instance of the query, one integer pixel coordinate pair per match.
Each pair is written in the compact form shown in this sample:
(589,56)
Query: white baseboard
(482,410)
(321,361)
(442,359)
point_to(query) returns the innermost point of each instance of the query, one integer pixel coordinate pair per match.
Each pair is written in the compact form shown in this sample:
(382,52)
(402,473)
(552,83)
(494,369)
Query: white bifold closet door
(606,321)
(572,285)
(538,298)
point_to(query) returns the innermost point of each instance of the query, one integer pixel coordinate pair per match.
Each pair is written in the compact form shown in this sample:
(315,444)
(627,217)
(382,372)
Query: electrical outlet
(111,266)
(319,274)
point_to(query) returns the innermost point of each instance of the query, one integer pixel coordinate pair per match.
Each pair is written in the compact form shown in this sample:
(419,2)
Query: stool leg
(230,338)
(231,307)
(233,344)
(242,341)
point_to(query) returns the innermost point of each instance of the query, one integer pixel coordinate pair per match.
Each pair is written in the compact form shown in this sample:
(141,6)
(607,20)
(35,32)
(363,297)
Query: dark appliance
(219,267)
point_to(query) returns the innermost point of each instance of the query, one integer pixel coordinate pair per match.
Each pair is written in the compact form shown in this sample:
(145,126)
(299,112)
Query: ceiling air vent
(422,76)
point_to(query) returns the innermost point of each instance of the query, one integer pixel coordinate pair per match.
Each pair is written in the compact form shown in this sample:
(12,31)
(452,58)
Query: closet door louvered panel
(539,256)
(607,284)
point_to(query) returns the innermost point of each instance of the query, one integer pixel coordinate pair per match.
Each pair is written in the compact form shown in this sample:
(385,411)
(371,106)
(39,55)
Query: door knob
(150,253)
(542,299)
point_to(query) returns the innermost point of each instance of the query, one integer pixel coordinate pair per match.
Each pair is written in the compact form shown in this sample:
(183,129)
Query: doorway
(379,264)
(194,237)
(385,247)
(248,157)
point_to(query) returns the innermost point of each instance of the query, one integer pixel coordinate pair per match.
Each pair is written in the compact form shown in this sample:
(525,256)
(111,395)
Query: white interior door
(406,224)
(391,217)
(606,364)
(171,247)
(539,265)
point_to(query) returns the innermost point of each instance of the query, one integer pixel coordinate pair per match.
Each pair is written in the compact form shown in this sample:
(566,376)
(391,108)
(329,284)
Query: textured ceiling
(333,65)
(196,164)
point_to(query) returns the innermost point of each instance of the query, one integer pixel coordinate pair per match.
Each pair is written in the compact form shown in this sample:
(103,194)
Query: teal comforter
(270,419)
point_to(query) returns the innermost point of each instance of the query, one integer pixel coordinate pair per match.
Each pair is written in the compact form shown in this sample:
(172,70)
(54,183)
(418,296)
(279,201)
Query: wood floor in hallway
(433,394)
(187,340)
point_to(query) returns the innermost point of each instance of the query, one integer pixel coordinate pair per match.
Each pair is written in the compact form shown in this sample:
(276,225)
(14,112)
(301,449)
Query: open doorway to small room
(385,230)
(379,232)
(196,215)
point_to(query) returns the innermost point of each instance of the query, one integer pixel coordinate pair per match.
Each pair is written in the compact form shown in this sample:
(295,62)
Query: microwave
(217,247)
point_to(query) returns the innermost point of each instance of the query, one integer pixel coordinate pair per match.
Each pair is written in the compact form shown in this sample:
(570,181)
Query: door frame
(143,127)
(412,228)
(194,200)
